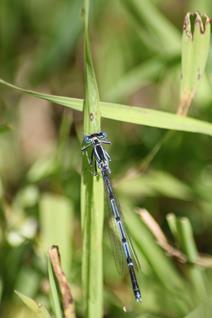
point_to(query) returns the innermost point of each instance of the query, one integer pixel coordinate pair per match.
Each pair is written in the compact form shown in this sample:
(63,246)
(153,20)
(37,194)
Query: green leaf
(38,309)
(195,48)
(56,219)
(54,292)
(92,193)
(130,114)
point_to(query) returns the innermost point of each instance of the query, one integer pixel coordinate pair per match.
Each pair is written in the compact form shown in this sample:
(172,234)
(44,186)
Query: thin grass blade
(130,114)
(92,193)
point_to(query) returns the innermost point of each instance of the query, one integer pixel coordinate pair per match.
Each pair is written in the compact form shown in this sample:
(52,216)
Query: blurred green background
(41,47)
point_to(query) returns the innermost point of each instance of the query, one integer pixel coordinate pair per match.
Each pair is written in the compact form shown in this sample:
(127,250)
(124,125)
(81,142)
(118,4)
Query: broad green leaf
(92,193)
(38,309)
(54,292)
(195,48)
(130,114)
(56,223)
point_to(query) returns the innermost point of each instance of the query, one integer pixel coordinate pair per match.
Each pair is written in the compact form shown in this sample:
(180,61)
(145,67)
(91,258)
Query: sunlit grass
(136,52)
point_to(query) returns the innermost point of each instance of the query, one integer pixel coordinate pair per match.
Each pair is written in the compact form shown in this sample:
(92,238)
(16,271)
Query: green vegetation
(162,177)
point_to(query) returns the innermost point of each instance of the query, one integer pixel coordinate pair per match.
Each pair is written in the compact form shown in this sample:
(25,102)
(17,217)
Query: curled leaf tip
(195,19)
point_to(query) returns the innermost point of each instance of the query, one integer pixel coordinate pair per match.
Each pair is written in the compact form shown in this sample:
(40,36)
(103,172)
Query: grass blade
(92,194)
(130,114)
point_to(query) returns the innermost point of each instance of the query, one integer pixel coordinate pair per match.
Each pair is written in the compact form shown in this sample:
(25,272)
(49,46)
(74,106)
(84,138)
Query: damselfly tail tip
(138,297)
(139,300)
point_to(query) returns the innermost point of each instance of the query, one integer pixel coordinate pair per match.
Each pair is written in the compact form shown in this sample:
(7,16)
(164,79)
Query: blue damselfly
(99,159)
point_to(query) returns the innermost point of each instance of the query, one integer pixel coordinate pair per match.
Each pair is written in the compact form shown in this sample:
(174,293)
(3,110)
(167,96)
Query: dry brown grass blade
(202,260)
(67,299)
(160,237)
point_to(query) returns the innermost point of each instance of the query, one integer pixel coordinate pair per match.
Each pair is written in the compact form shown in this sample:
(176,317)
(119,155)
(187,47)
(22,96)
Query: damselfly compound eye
(102,135)
(86,140)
